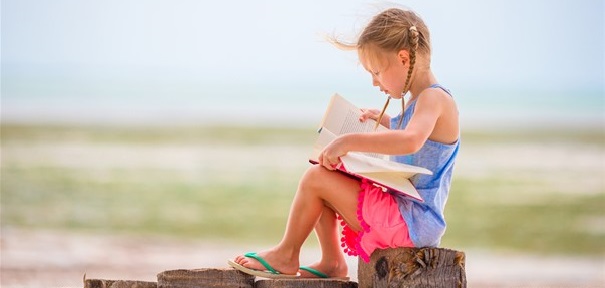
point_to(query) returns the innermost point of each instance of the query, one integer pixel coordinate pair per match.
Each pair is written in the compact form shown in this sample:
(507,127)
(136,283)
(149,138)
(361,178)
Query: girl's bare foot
(284,263)
(334,269)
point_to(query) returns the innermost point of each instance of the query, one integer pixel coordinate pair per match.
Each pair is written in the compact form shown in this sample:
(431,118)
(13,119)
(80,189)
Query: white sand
(60,259)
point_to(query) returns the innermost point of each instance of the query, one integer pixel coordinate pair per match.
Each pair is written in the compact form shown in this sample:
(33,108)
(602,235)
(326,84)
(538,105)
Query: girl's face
(388,69)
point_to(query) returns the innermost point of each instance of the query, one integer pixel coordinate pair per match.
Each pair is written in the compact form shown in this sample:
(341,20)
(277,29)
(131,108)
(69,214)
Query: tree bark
(413,267)
(102,283)
(208,277)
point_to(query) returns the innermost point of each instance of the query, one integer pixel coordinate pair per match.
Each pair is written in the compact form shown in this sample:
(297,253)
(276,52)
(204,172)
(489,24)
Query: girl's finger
(367,114)
(322,161)
(330,165)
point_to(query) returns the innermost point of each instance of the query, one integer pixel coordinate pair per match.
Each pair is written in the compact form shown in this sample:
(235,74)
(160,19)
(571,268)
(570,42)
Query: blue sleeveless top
(425,220)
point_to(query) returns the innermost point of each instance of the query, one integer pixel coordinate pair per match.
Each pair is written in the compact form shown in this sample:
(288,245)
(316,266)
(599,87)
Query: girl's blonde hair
(392,30)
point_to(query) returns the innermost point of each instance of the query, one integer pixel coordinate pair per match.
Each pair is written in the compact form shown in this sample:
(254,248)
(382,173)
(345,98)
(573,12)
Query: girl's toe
(239,259)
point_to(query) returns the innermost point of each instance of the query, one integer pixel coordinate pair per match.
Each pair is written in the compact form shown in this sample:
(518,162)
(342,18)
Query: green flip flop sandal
(321,275)
(269,273)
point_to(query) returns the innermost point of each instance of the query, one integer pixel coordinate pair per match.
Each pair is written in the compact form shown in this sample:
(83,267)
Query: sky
(196,61)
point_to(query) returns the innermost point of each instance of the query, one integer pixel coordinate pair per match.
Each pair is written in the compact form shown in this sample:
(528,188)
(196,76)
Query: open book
(342,117)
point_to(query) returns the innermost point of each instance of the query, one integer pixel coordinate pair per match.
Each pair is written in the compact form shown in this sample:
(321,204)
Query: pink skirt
(382,224)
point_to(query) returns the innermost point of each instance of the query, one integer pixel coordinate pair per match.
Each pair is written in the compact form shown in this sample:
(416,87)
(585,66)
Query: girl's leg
(332,260)
(317,188)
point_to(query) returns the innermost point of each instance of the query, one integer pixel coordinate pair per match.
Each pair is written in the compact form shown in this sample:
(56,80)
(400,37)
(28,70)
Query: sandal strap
(253,255)
(314,272)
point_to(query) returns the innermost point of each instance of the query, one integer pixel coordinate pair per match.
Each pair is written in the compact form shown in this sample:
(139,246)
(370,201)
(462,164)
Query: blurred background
(142,136)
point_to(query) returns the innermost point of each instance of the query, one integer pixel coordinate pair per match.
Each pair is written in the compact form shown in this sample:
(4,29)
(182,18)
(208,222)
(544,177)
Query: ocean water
(296,106)
(124,98)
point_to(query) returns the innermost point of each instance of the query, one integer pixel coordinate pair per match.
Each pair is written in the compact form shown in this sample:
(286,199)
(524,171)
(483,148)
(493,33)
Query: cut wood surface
(413,267)
(206,277)
(102,283)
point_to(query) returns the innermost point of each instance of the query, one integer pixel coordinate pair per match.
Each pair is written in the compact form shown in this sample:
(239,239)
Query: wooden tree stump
(305,283)
(208,277)
(102,283)
(413,267)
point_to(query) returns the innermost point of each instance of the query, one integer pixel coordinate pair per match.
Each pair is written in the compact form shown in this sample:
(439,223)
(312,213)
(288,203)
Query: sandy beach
(60,259)
(36,255)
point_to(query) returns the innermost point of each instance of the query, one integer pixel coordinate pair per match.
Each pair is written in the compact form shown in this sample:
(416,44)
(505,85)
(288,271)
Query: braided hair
(413,41)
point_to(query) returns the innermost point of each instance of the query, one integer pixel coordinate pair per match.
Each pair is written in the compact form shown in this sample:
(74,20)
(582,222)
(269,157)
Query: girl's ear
(404,56)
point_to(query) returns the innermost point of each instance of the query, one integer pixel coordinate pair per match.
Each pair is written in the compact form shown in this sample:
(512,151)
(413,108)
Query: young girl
(395,49)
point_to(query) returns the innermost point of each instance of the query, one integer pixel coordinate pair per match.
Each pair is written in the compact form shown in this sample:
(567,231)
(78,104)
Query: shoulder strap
(437,85)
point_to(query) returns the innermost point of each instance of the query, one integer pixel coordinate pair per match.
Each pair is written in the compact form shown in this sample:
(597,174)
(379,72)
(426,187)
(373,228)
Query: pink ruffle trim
(351,240)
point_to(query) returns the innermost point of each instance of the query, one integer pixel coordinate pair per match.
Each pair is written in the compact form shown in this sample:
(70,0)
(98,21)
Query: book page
(351,123)
(326,136)
(394,182)
(342,117)
(323,139)
(360,163)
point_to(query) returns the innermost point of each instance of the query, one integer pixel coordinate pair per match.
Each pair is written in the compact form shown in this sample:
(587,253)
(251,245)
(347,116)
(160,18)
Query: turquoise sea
(178,102)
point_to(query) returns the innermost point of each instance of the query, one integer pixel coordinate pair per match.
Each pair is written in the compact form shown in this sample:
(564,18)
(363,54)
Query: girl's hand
(369,114)
(330,156)
(373,114)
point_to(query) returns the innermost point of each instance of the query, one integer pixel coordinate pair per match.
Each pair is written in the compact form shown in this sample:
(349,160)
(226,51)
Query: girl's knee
(312,179)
